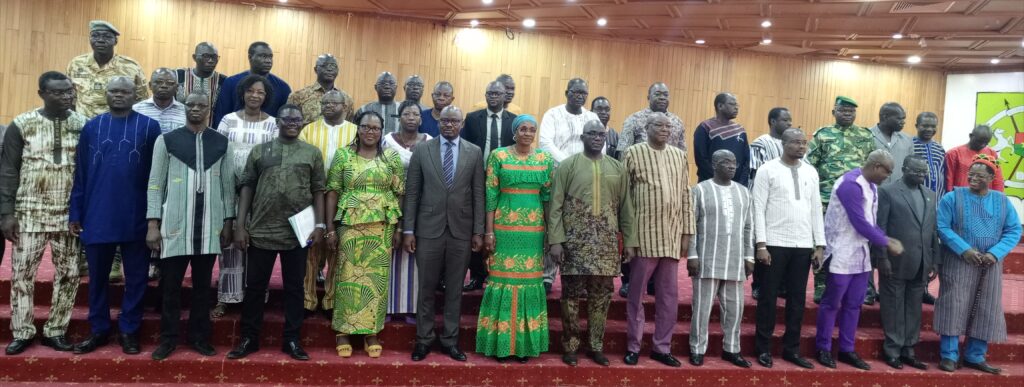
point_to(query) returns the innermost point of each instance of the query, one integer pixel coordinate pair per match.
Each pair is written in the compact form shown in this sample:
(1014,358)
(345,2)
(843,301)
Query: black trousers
(172,271)
(477,267)
(258,267)
(790,266)
(444,258)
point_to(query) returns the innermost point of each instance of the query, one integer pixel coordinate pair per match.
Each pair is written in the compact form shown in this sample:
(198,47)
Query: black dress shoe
(163,350)
(736,359)
(631,358)
(928,298)
(474,284)
(293,349)
(853,360)
(893,362)
(913,362)
(522,359)
(765,360)
(420,352)
(245,348)
(599,358)
(570,359)
(203,347)
(90,344)
(696,359)
(825,359)
(800,361)
(983,367)
(624,290)
(18,346)
(947,365)
(666,359)
(58,343)
(129,343)
(455,353)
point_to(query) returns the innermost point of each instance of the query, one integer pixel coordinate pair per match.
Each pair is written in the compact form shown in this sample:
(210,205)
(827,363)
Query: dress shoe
(765,360)
(203,347)
(928,298)
(736,359)
(18,346)
(163,350)
(474,284)
(90,344)
(420,352)
(455,353)
(129,343)
(666,359)
(245,348)
(696,359)
(755,293)
(983,367)
(547,288)
(893,362)
(58,343)
(293,349)
(947,365)
(913,362)
(522,359)
(599,358)
(799,361)
(624,290)
(853,360)
(631,358)
(825,359)
(570,359)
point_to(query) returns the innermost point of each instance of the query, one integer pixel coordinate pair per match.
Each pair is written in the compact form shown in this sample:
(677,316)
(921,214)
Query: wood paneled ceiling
(951,35)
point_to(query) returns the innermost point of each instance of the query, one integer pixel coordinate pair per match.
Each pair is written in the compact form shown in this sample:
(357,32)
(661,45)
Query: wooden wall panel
(40,35)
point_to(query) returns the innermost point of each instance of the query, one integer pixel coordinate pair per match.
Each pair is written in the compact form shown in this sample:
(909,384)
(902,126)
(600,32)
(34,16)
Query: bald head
(451,120)
(794,145)
(413,88)
(593,137)
(120,95)
(878,166)
(206,58)
(385,87)
(980,137)
(724,163)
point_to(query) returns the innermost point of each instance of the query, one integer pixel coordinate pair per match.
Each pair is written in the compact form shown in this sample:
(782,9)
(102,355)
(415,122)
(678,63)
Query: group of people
(407,199)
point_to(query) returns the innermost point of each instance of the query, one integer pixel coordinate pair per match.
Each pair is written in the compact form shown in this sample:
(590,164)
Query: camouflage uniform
(308,99)
(91,79)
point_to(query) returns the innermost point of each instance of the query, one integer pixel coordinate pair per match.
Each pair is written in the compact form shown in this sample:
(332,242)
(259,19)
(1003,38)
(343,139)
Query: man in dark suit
(443,221)
(906,211)
(488,129)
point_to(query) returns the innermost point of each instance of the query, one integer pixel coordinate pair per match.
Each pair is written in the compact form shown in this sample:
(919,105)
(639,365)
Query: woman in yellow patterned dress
(364,187)
(513,315)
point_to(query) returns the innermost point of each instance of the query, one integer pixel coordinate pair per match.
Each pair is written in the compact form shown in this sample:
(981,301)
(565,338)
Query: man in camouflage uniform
(308,99)
(833,151)
(91,72)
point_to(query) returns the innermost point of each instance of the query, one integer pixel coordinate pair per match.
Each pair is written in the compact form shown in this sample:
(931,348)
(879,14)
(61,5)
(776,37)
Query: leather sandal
(342,345)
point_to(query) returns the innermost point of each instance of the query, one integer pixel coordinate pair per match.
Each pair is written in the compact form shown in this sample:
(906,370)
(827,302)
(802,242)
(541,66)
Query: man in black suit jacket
(906,211)
(488,129)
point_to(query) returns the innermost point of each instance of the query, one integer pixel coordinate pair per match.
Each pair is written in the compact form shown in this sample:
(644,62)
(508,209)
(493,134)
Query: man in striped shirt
(659,201)
(722,132)
(766,148)
(162,106)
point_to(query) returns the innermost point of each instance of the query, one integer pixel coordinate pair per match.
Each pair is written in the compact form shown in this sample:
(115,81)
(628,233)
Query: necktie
(449,165)
(494,140)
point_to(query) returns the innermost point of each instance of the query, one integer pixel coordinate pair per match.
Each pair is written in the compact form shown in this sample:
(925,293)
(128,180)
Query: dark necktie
(449,165)
(494,132)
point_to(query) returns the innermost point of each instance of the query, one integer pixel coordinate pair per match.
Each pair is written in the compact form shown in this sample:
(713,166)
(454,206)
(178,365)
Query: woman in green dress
(513,315)
(364,189)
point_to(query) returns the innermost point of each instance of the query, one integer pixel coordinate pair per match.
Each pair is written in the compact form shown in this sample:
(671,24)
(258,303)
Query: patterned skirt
(361,282)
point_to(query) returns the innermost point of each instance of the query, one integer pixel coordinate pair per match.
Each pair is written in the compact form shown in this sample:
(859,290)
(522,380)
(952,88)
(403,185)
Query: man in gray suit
(443,221)
(906,211)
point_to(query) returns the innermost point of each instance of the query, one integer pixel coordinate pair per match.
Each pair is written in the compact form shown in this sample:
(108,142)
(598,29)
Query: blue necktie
(449,165)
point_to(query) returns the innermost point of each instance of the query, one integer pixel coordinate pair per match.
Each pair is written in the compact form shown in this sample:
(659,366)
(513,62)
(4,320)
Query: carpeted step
(1014,262)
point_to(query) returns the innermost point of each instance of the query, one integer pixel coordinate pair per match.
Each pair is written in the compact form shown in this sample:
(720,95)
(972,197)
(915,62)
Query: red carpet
(41,365)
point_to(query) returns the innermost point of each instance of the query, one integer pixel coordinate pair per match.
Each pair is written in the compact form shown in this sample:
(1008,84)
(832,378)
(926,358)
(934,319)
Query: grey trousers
(901,314)
(444,257)
(730,303)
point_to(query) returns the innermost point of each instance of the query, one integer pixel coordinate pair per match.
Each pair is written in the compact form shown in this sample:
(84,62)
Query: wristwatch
(320,226)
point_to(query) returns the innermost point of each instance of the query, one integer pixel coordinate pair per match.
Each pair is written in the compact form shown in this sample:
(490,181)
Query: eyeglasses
(367,128)
(579,93)
(208,57)
(450,121)
(291,120)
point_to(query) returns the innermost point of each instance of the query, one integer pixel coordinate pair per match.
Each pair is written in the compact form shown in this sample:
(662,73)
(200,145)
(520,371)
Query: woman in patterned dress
(245,129)
(513,314)
(403,284)
(364,189)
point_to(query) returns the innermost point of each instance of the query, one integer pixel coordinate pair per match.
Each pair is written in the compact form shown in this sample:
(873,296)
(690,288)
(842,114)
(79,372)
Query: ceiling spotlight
(897,36)
(602,22)
(529,23)
(487,2)
(914,59)
(856,57)
(766,23)
(283,1)
(994,61)
(699,41)
(474,23)
(766,41)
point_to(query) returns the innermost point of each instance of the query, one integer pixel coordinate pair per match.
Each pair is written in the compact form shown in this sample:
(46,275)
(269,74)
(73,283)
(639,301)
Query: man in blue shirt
(261,60)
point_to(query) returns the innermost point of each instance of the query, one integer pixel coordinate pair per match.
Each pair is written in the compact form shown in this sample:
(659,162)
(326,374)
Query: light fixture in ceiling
(994,61)
(529,23)
(914,59)
(474,23)
(766,41)
(856,57)
(602,22)
(488,2)
(897,36)
(766,23)
(699,41)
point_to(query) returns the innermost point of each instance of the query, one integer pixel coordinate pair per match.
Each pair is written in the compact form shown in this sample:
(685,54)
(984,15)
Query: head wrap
(986,160)
(520,119)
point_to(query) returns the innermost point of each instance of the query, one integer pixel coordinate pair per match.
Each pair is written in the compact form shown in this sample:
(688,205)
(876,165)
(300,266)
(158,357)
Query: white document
(303,225)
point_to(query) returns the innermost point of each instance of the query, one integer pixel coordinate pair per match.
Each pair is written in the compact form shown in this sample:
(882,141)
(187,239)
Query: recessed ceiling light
(994,61)
(283,1)
(897,36)
(529,23)
(488,1)
(914,59)
(474,23)
(856,57)
(699,41)
(766,41)
(766,23)
(602,22)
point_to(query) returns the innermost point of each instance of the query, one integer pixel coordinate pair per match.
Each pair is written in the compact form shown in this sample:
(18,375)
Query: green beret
(98,25)
(847,101)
